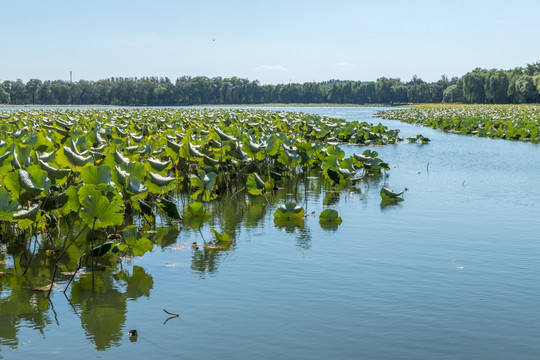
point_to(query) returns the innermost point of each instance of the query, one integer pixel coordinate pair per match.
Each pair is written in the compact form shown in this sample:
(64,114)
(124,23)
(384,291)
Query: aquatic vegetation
(330,215)
(289,211)
(511,122)
(85,186)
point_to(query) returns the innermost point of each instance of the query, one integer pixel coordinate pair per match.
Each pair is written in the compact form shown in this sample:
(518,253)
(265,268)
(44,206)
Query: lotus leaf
(330,215)
(289,211)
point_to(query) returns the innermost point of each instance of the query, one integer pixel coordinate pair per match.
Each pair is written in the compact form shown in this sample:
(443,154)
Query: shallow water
(451,272)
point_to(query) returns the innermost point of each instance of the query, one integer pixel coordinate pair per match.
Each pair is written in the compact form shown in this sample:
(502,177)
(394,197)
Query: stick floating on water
(170,313)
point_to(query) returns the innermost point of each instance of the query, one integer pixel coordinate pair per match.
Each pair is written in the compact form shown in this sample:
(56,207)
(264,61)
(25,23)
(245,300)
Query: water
(451,272)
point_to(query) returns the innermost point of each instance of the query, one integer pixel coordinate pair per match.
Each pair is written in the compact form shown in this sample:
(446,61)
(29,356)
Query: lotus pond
(450,272)
(511,122)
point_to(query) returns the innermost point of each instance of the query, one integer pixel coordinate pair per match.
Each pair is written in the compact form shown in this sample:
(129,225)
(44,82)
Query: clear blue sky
(270,41)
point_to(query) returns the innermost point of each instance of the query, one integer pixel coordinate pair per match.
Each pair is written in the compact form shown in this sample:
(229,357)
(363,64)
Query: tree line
(519,85)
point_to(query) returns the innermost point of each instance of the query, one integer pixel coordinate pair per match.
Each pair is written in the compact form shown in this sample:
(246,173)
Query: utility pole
(70,76)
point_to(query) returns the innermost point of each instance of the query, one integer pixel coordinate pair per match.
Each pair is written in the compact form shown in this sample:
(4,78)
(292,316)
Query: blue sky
(270,41)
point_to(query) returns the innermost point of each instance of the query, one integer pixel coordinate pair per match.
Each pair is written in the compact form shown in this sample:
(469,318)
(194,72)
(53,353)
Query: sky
(273,42)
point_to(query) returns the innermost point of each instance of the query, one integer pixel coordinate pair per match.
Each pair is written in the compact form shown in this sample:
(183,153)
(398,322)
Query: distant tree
(4,96)
(536,82)
(438,88)
(452,94)
(16,91)
(473,88)
(86,92)
(533,69)
(31,89)
(523,90)
(61,92)
(385,88)
(496,87)
(44,94)
(419,93)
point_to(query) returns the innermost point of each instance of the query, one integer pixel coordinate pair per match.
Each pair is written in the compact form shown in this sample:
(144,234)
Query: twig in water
(427,167)
(170,313)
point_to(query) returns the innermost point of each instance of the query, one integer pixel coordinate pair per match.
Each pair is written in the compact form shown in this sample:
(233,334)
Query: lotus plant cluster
(510,122)
(101,170)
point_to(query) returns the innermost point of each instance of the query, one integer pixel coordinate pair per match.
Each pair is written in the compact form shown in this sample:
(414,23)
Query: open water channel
(452,272)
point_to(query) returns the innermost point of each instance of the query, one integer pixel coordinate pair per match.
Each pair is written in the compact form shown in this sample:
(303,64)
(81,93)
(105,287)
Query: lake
(449,273)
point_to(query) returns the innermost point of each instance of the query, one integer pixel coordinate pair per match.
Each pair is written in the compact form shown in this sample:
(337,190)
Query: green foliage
(255,184)
(97,210)
(289,211)
(330,215)
(513,122)
(169,208)
(134,243)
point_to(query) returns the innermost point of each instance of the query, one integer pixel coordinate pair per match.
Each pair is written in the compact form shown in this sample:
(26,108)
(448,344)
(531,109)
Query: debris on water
(133,335)
(171,313)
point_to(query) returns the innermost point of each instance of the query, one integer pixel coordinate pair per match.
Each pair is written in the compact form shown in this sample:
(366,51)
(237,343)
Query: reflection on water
(449,273)
(100,298)
(100,302)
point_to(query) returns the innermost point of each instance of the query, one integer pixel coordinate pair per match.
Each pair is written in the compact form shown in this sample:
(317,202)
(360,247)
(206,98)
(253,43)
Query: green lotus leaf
(120,158)
(132,149)
(102,249)
(135,186)
(173,145)
(193,151)
(197,209)
(30,213)
(38,142)
(145,208)
(330,215)
(66,157)
(119,132)
(370,153)
(223,136)
(96,175)
(276,176)
(27,183)
(255,184)
(387,193)
(361,157)
(330,162)
(40,177)
(289,211)
(169,208)
(208,161)
(159,180)
(220,238)
(158,165)
(97,210)
(333,176)
(15,160)
(54,173)
(4,157)
(54,201)
(8,205)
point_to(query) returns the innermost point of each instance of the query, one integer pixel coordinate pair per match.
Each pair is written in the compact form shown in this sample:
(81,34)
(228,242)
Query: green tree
(452,94)
(31,89)
(4,96)
(497,87)
(473,89)
(523,90)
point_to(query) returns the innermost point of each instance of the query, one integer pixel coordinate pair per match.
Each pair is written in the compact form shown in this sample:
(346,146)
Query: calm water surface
(452,272)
